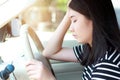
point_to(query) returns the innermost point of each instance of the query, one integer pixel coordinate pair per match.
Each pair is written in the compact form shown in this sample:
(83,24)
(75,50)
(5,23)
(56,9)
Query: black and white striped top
(108,68)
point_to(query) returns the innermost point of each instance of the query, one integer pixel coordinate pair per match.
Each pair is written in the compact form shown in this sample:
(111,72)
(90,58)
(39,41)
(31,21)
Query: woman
(94,25)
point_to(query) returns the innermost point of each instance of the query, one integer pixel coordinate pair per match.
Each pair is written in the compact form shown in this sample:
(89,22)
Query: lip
(74,36)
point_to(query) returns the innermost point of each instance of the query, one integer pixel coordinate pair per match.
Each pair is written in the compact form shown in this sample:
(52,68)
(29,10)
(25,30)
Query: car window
(116,4)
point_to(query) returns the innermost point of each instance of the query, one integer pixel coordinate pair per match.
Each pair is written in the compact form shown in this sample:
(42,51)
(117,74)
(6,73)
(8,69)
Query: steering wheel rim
(39,47)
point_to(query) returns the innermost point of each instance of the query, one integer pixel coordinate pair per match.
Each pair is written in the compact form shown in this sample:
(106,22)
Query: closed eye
(75,21)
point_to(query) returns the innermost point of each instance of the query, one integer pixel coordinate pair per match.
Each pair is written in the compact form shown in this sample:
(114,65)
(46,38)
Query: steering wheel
(30,33)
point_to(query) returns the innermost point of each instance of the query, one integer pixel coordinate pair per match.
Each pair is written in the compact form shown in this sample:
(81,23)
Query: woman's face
(81,27)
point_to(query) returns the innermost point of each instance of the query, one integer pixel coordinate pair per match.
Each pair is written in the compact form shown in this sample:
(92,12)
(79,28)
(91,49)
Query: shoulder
(109,66)
(112,56)
(78,51)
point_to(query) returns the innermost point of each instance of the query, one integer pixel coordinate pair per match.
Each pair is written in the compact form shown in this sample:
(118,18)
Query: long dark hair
(106,31)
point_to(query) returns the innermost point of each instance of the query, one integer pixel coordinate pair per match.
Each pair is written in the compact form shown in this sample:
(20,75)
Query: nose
(71,28)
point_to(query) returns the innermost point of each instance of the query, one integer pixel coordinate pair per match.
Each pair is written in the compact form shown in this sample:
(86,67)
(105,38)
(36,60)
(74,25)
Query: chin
(80,42)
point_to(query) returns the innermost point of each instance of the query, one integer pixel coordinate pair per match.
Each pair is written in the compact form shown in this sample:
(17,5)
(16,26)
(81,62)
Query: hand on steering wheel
(33,66)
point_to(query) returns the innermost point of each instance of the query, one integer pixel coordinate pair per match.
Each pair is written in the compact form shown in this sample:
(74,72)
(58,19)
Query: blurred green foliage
(62,4)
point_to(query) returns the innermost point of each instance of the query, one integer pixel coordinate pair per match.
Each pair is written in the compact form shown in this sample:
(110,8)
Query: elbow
(50,53)
(44,53)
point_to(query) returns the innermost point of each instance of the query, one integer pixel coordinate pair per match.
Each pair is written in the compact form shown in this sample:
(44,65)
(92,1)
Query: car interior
(25,28)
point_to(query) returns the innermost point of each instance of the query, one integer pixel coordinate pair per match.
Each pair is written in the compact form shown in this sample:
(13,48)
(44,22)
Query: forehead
(73,13)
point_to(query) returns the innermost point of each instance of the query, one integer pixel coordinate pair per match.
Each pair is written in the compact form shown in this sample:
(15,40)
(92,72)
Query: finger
(35,67)
(34,75)
(32,62)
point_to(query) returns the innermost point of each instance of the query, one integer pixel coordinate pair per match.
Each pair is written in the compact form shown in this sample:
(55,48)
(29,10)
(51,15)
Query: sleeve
(78,51)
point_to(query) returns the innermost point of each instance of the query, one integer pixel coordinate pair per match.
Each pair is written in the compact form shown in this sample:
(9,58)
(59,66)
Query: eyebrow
(72,16)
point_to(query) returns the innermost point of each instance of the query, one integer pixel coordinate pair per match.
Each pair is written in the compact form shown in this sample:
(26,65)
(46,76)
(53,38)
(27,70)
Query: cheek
(80,29)
(84,34)
(84,37)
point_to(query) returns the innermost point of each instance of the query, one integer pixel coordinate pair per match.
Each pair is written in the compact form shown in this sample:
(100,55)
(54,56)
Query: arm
(54,47)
